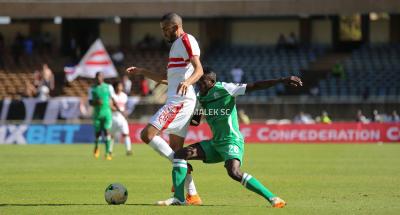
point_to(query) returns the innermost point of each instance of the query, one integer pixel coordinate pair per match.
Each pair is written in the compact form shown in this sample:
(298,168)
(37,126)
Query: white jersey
(119,123)
(180,68)
(121,99)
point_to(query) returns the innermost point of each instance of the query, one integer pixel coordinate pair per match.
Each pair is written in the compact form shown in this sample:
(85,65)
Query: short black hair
(209,72)
(115,85)
(172,17)
(98,73)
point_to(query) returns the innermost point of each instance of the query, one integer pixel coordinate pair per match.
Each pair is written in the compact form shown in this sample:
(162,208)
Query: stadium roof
(190,8)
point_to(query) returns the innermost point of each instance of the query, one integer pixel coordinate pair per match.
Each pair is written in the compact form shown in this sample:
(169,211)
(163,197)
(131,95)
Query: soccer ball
(116,194)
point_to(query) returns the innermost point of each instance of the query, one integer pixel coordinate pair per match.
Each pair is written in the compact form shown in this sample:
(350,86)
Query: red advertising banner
(296,133)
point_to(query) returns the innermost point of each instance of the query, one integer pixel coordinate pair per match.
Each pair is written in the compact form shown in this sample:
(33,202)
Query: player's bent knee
(145,136)
(235,174)
(175,147)
(186,153)
(180,154)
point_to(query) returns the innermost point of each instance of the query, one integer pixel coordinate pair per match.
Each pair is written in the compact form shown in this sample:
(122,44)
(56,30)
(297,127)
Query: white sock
(189,185)
(127,140)
(108,137)
(162,147)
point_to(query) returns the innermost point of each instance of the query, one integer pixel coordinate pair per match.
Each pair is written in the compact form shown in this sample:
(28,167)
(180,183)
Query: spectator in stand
(43,83)
(118,58)
(37,78)
(43,93)
(395,117)
(237,74)
(314,91)
(338,71)
(47,42)
(366,93)
(73,49)
(48,77)
(303,118)
(361,118)
(2,47)
(148,42)
(281,43)
(127,83)
(376,117)
(144,86)
(28,46)
(17,48)
(325,118)
(31,88)
(136,86)
(292,42)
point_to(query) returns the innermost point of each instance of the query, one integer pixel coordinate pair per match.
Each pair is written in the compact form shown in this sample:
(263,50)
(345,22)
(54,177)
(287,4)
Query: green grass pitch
(313,179)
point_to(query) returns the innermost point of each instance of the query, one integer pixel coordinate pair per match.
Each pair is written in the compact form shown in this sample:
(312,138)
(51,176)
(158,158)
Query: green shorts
(222,151)
(102,123)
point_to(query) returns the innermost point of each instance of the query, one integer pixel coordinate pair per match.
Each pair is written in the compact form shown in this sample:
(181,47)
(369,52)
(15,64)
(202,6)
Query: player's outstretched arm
(196,75)
(293,81)
(158,77)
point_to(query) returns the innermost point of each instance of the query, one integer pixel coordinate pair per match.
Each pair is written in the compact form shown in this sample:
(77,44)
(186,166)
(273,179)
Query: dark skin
(100,80)
(206,82)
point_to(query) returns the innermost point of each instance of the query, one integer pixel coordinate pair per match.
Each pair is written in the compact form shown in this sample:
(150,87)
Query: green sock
(108,144)
(254,185)
(179,172)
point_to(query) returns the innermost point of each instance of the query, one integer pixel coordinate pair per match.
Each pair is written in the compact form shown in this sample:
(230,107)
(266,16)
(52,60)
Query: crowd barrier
(50,111)
(254,133)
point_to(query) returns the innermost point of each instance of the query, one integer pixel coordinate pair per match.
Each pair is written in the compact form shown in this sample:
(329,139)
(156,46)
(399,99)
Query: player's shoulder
(190,36)
(219,86)
(230,84)
(124,95)
(109,86)
(234,89)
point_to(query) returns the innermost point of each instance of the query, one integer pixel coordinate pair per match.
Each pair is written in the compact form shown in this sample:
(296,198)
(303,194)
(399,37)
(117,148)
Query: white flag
(95,60)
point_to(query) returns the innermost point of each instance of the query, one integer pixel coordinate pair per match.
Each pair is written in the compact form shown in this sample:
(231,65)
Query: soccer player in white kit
(184,69)
(119,122)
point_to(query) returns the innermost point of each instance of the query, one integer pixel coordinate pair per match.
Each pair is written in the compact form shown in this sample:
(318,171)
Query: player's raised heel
(170,202)
(193,199)
(277,202)
(96,152)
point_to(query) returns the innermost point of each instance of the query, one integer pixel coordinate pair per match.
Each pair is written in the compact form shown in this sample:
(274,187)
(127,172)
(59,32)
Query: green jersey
(104,92)
(219,108)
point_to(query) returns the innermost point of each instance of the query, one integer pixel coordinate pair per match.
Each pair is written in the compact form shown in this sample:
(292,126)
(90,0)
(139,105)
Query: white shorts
(119,124)
(174,117)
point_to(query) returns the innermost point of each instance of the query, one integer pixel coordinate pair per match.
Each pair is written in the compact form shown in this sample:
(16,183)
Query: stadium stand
(13,76)
(261,62)
(376,65)
(370,71)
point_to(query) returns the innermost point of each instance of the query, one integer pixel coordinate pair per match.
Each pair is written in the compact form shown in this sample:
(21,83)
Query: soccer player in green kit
(100,95)
(217,100)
